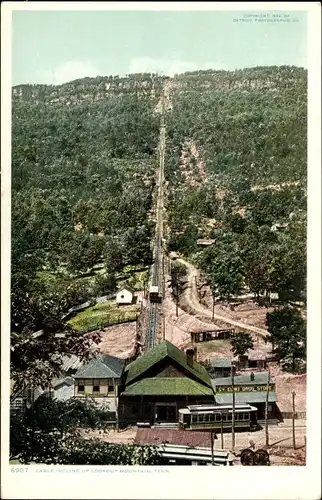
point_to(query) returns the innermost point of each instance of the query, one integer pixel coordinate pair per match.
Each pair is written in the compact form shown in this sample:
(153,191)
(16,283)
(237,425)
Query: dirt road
(191,296)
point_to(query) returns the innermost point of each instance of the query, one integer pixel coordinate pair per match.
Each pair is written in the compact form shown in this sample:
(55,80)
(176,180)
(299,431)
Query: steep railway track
(154,307)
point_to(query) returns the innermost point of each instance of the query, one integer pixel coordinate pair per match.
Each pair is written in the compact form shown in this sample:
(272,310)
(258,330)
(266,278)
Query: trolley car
(218,417)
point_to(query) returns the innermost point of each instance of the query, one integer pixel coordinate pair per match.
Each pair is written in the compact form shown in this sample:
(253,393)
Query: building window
(96,386)
(110,387)
(81,386)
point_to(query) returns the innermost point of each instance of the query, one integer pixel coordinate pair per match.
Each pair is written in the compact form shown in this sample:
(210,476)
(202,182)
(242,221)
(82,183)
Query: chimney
(252,376)
(190,355)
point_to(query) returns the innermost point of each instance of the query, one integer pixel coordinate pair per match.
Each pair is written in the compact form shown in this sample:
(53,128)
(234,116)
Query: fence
(110,322)
(88,303)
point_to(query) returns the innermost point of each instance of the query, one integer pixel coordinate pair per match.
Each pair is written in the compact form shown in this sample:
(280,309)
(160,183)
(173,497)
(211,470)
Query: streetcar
(217,417)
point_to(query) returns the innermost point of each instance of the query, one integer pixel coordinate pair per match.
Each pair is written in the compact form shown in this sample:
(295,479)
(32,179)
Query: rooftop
(173,436)
(103,366)
(220,362)
(259,378)
(68,381)
(167,386)
(126,287)
(246,397)
(165,349)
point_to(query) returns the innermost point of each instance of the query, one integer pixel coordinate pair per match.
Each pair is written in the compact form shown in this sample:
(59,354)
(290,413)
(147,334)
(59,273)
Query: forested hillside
(83,168)
(236,169)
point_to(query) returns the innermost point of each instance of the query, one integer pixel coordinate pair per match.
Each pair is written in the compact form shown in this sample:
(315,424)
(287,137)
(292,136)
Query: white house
(124,295)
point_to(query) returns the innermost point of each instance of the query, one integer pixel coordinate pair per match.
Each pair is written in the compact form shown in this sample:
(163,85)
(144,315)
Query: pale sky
(54,47)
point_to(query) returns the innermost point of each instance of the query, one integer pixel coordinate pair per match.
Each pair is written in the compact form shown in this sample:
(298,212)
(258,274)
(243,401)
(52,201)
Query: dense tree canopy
(83,167)
(287,332)
(240,343)
(49,433)
(236,149)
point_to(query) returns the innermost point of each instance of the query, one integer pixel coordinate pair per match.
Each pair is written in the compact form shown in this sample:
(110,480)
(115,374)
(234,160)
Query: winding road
(191,297)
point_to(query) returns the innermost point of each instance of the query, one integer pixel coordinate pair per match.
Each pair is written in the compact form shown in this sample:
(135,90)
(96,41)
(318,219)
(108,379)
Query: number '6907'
(19,469)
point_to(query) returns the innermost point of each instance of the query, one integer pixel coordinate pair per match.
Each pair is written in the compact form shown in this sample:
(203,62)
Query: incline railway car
(218,417)
(154,294)
(154,291)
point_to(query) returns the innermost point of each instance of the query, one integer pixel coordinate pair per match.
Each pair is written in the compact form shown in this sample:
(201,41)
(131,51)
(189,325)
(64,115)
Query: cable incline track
(156,282)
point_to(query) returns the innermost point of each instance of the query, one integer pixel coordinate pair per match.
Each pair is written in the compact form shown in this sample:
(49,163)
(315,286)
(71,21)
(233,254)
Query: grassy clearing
(101,316)
(215,346)
(135,279)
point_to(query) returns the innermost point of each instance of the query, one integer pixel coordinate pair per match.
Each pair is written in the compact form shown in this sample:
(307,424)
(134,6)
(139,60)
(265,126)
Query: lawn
(102,315)
(215,346)
(135,279)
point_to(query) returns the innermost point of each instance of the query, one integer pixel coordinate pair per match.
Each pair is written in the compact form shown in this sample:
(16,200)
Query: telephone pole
(212,437)
(293,419)
(233,414)
(266,409)
(221,432)
(213,308)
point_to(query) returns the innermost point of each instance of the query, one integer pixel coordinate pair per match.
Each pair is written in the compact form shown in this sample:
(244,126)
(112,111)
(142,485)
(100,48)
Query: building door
(165,413)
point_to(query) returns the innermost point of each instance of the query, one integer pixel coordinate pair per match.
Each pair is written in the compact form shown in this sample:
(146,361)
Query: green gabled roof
(102,367)
(159,352)
(167,386)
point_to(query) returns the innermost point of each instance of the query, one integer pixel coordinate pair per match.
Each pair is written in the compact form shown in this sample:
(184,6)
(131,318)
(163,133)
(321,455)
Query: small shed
(220,367)
(211,335)
(125,295)
(254,358)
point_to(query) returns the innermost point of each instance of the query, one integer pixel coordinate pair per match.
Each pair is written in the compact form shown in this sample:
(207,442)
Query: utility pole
(213,307)
(212,447)
(116,405)
(293,419)
(233,415)
(177,298)
(221,432)
(266,409)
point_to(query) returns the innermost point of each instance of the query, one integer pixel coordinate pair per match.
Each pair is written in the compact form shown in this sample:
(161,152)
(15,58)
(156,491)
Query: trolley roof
(216,409)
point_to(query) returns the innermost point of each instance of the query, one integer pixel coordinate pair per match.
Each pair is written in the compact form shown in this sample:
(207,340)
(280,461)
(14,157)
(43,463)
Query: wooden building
(99,378)
(253,360)
(220,367)
(211,335)
(125,295)
(160,382)
(249,388)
